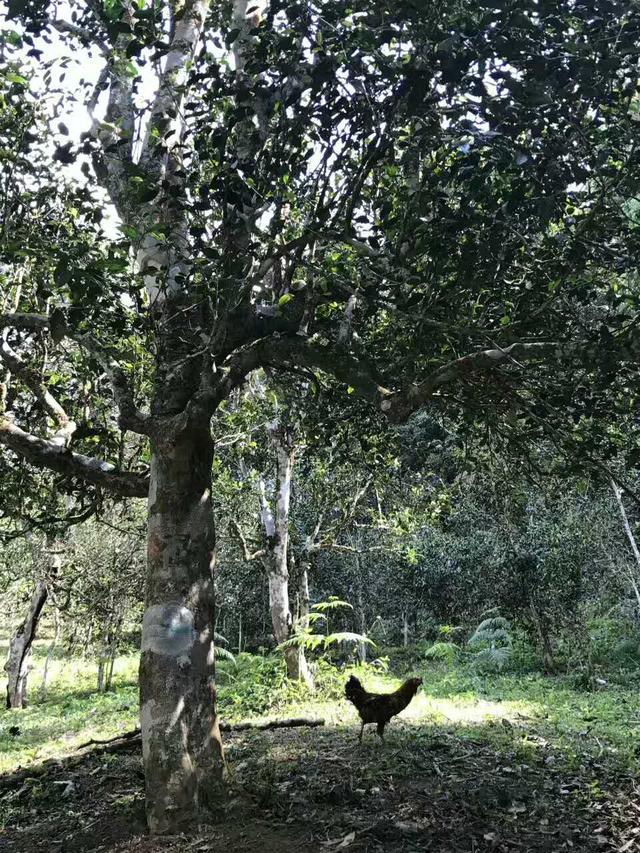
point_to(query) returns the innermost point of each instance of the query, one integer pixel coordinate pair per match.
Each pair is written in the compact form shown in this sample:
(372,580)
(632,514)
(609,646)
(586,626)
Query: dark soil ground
(318,790)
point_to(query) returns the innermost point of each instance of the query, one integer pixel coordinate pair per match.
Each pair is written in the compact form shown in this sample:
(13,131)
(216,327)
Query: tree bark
(548,660)
(632,539)
(50,651)
(17,665)
(276,528)
(182,749)
(362,627)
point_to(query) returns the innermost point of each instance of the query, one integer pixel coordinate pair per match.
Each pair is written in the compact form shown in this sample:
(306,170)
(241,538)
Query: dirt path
(317,790)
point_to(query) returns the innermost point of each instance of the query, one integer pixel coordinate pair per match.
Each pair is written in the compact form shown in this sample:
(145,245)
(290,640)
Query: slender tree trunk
(87,641)
(17,665)
(304,600)
(548,660)
(405,628)
(114,639)
(103,655)
(632,540)
(100,676)
(276,528)
(50,651)
(304,596)
(182,749)
(362,626)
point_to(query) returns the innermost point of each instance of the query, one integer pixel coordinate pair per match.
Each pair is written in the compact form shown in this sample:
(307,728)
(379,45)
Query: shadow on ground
(425,789)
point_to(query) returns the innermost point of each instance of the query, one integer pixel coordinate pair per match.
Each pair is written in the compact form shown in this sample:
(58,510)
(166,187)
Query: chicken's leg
(381,730)
(361,733)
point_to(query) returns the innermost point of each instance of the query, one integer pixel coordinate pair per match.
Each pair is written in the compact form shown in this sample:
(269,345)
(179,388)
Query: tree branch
(85,36)
(17,366)
(280,351)
(400,405)
(249,556)
(130,417)
(48,454)
(338,362)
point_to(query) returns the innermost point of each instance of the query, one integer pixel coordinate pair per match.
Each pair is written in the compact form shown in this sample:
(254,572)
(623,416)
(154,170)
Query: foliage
(491,643)
(615,642)
(303,636)
(444,652)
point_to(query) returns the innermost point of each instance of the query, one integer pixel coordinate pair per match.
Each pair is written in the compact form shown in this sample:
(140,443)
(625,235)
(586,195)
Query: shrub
(446,652)
(491,642)
(614,642)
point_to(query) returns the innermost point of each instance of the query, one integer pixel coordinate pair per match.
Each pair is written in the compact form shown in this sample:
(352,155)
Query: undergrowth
(457,696)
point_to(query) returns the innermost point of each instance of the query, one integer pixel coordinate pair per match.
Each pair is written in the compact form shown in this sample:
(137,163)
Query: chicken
(379,707)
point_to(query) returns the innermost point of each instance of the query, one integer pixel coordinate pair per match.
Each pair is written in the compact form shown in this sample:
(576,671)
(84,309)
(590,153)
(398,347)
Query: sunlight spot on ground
(465,710)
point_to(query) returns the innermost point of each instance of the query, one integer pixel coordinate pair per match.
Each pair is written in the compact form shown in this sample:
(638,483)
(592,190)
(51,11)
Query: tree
(21,641)
(430,206)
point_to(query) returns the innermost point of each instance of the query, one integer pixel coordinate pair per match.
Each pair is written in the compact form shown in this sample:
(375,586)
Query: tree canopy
(420,206)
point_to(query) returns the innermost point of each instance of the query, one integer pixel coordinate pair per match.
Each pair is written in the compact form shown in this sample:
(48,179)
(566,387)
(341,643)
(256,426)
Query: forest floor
(476,763)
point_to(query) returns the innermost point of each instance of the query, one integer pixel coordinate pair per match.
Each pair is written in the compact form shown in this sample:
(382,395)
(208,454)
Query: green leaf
(12,77)
(332,603)
(129,231)
(347,637)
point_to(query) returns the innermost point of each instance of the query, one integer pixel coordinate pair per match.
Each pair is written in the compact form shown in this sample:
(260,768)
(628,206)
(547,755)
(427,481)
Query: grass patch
(530,712)
(72,713)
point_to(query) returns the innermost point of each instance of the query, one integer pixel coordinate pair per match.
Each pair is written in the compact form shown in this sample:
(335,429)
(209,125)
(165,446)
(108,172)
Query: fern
(492,639)
(332,603)
(221,652)
(492,658)
(314,641)
(494,630)
(303,635)
(347,637)
(448,652)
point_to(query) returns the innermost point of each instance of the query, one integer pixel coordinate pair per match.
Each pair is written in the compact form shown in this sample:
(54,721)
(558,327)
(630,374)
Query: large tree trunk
(17,665)
(182,749)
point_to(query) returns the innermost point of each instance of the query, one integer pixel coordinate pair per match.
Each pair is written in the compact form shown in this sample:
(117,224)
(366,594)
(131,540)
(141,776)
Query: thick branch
(26,322)
(400,405)
(336,361)
(166,112)
(114,136)
(281,352)
(130,417)
(48,454)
